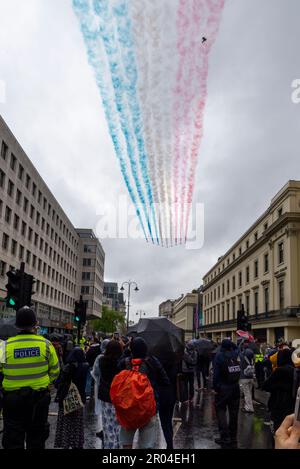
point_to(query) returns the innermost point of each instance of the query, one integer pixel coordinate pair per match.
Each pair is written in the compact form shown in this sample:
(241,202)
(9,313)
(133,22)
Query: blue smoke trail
(124,27)
(111,46)
(91,38)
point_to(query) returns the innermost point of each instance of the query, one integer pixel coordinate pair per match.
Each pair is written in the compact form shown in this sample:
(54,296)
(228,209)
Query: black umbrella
(7,328)
(204,346)
(56,336)
(132,331)
(165,340)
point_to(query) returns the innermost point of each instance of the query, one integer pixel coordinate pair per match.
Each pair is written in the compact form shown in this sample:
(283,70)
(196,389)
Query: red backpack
(132,396)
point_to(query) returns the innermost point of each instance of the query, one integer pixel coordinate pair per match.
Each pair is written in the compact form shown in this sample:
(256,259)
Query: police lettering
(27,352)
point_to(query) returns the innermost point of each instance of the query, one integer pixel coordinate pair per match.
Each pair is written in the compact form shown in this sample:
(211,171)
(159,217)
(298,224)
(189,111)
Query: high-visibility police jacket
(29,360)
(258,357)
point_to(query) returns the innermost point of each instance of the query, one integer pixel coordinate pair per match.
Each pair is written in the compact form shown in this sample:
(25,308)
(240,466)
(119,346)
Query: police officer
(30,365)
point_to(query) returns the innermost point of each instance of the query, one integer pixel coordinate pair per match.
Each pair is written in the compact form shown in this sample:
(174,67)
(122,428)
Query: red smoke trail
(215,10)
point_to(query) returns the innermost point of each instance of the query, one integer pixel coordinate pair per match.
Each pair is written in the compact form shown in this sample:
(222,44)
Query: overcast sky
(251,136)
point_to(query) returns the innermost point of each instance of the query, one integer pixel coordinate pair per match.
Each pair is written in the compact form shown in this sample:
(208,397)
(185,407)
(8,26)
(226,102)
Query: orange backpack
(132,396)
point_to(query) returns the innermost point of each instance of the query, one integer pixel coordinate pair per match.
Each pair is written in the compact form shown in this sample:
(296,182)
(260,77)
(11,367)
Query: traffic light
(77,311)
(80,312)
(242,321)
(13,288)
(27,283)
(19,289)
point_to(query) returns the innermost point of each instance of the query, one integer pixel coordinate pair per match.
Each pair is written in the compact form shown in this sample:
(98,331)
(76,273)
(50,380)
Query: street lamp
(141,313)
(129,283)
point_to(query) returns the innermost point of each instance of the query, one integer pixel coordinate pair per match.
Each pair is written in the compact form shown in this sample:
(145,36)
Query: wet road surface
(195,426)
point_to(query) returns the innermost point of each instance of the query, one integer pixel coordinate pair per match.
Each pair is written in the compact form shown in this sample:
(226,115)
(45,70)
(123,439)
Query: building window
(247,303)
(267,300)
(4,149)
(86,275)
(89,248)
(7,214)
(13,247)
(228,287)
(256,236)
(247,274)
(27,183)
(30,231)
(256,268)
(18,197)
(10,188)
(39,197)
(21,172)
(5,241)
(281,294)
(21,252)
(28,256)
(247,244)
(233,309)
(279,212)
(38,218)
(240,251)
(2,178)
(34,261)
(233,283)
(280,253)
(2,268)
(25,205)
(240,279)
(31,211)
(33,189)
(13,161)
(36,239)
(265,226)
(223,290)
(87,262)
(256,303)
(16,222)
(266,263)
(23,229)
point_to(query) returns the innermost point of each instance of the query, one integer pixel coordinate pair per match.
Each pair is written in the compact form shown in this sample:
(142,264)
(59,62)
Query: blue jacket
(218,364)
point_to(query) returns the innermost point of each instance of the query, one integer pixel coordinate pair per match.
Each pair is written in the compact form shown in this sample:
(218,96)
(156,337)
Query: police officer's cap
(26,318)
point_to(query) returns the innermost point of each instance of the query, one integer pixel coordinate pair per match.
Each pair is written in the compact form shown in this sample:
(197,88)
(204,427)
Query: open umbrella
(56,336)
(7,328)
(165,340)
(204,346)
(245,335)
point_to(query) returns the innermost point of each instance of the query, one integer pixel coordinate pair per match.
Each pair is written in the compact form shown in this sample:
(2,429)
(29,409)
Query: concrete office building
(113,297)
(262,271)
(91,271)
(34,229)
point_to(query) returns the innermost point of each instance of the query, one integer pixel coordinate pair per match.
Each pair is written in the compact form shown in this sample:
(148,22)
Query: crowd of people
(132,389)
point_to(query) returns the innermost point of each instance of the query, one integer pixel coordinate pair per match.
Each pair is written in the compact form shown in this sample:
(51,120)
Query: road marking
(52,414)
(176,427)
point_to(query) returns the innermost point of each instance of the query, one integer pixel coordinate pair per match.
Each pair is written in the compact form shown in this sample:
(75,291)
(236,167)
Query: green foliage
(110,322)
